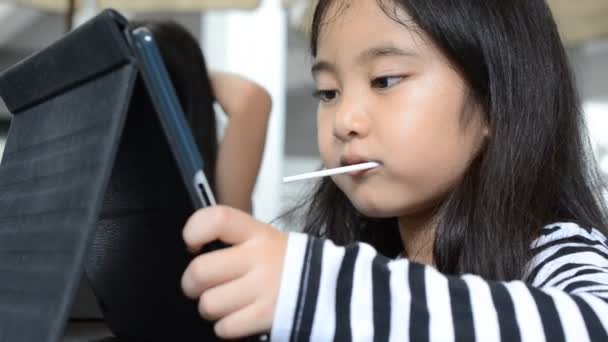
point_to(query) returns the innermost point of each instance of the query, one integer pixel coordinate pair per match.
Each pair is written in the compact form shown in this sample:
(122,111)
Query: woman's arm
(335,293)
(248,107)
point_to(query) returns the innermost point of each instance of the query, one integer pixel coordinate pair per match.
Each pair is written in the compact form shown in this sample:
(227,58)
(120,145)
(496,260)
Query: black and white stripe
(325,315)
(460,297)
(381,286)
(353,294)
(484,313)
(344,294)
(309,290)
(503,303)
(399,280)
(419,312)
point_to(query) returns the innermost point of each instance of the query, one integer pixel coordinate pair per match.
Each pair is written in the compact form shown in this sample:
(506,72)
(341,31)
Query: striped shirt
(332,293)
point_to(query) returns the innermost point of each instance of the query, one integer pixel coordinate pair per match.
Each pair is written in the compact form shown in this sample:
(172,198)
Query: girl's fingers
(209,270)
(254,319)
(225,299)
(219,223)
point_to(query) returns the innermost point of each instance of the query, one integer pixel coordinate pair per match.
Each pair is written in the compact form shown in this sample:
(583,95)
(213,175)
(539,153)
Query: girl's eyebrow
(365,57)
(384,51)
(320,66)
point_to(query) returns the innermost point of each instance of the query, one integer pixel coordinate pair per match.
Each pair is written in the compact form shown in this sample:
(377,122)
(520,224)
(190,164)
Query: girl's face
(386,94)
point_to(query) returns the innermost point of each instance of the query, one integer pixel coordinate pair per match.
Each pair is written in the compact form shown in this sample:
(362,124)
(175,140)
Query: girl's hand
(236,286)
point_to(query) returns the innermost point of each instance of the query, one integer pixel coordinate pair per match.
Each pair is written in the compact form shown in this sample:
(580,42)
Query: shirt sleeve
(353,294)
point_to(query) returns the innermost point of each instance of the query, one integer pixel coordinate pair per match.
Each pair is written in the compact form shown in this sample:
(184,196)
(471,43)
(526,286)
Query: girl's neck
(418,235)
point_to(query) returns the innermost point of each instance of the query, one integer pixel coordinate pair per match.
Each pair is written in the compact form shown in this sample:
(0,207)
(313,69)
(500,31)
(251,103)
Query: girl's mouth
(352,160)
(361,173)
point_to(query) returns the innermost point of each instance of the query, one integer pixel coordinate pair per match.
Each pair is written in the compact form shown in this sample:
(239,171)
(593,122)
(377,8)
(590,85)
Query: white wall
(254,44)
(590,64)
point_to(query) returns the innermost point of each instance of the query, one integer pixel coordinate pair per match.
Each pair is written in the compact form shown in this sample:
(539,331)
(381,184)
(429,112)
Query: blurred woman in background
(231,165)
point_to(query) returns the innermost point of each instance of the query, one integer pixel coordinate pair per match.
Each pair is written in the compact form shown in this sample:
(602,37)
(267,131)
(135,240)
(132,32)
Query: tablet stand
(88,182)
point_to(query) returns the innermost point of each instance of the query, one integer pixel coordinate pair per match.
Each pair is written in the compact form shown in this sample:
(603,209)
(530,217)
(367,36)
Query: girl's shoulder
(569,231)
(564,247)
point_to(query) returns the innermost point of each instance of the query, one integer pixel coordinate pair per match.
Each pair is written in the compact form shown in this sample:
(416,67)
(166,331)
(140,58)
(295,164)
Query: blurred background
(266,41)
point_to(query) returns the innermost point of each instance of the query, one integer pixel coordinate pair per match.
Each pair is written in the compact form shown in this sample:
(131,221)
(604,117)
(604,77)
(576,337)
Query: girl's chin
(370,203)
(374,210)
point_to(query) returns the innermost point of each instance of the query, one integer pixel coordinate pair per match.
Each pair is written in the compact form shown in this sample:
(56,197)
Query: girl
(233,166)
(482,221)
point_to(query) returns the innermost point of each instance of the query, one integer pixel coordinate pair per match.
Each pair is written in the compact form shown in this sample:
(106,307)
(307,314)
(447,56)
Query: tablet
(171,115)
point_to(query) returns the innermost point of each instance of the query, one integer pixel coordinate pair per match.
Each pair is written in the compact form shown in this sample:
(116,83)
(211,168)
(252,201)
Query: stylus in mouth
(331,172)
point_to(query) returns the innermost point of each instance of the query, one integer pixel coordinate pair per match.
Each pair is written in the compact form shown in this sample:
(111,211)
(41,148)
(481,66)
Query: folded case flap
(60,66)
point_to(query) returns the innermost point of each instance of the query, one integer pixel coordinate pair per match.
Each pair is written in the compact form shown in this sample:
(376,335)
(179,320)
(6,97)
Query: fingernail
(187,284)
(219,329)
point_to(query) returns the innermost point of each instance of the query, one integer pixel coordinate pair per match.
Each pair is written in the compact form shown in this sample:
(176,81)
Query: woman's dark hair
(537,167)
(186,66)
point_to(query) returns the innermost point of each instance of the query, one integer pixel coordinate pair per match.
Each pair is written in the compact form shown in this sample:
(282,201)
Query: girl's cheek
(324,137)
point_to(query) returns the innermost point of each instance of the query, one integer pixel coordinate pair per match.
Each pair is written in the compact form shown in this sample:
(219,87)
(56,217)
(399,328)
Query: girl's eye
(386,81)
(325,95)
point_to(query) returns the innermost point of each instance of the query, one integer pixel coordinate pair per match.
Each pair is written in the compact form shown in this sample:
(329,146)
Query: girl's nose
(351,120)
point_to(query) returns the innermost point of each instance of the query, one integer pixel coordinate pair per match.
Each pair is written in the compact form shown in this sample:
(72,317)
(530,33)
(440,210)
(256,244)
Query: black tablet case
(88,181)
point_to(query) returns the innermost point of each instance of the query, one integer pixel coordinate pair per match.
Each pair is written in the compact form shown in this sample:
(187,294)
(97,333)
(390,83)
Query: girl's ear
(486,130)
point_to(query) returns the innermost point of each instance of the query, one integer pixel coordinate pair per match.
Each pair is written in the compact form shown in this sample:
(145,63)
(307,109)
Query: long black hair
(537,167)
(185,63)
